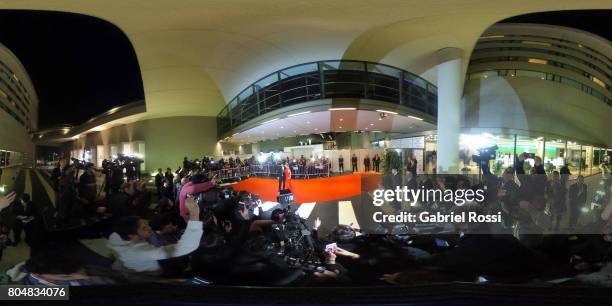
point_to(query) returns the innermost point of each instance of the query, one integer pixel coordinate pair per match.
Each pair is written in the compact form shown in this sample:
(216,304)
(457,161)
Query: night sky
(82,66)
(594,21)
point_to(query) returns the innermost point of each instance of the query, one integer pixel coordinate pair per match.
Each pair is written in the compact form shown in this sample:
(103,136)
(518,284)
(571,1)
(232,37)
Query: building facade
(18,111)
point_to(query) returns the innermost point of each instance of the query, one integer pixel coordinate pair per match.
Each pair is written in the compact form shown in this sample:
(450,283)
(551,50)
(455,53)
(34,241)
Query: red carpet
(314,190)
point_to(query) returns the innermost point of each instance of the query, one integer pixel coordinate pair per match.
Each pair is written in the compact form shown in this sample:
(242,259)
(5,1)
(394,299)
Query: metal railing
(297,171)
(271,170)
(328,79)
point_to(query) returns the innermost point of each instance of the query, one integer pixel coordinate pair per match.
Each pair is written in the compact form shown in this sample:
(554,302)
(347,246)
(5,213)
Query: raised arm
(7,200)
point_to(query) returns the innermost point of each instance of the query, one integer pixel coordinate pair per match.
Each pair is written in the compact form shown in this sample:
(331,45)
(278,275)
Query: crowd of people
(191,229)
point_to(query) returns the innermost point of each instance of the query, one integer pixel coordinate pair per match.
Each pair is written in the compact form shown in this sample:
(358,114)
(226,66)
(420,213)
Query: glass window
(297,70)
(554,156)
(383,69)
(530,74)
(343,65)
(266,81)
(245,93)
(575,157)
(471,145)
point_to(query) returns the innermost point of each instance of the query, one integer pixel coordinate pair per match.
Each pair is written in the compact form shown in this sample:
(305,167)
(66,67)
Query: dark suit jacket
(18,209)
(576,198)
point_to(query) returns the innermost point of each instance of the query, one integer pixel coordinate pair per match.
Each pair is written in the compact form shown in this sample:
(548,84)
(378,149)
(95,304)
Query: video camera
(125,159)
(299,243)
(485,154)
(80,164)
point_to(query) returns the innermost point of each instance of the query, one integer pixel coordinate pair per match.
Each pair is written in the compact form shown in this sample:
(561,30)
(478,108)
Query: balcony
(327,80)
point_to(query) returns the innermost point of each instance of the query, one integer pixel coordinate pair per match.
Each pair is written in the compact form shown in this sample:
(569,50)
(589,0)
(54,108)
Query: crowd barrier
(229,173)
(308,171)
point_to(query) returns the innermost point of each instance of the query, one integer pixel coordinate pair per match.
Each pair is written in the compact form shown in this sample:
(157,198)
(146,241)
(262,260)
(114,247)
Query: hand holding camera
(193,208)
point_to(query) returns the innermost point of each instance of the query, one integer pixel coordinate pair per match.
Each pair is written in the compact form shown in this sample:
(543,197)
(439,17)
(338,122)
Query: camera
(530,155)
(485,154)
(292,229)
(81,164)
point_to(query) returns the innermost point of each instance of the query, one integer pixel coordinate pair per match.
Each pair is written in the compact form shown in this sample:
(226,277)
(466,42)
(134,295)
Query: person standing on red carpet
(287,173)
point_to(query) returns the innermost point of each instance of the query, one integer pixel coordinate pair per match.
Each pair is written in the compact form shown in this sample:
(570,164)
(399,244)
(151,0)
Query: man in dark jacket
(55,176)
(23,212)
(121,203)
(170,176)
(577,198)
(376,160)
(366,163)
(556,194)
(159,180)
(565,174)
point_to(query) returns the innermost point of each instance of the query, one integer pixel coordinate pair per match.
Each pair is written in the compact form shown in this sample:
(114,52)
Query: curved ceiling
(194,55)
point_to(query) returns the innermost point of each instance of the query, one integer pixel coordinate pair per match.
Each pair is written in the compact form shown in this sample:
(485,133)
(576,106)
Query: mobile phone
(332,247)
(442,243)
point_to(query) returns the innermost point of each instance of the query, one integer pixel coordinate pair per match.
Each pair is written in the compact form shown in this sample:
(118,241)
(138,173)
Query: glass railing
(324,80)
(473,75)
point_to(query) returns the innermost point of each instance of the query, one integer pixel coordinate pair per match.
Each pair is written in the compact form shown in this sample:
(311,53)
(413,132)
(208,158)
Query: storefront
(581,158)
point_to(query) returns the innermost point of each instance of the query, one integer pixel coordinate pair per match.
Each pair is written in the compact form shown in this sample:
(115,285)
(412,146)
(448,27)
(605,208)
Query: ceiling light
(316,129)
(342,108)
(537,61)
(269,121)
(416,118)
(307,122)
(341,119)
(386,111)
(297,114)
(339,127)
(282,127)
(371,124)
(366,128)
(379,119)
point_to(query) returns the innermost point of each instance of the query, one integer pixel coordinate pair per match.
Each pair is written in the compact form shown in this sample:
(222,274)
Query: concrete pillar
(450,91)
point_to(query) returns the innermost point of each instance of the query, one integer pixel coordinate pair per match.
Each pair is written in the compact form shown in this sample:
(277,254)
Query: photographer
(159,179)
(169,176)
(116,178)
(195,185)
(122,203)
(556,194)
(23,212)
(5,202)
(70,205)
(55,176)
(87,185)
(142,199)
(135,254)
(507,195)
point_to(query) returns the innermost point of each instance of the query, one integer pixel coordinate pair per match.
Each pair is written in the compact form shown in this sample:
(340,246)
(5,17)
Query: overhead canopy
(195,55)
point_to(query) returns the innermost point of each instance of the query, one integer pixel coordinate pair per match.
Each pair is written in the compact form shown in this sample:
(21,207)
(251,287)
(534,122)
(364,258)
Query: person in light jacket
(135,254)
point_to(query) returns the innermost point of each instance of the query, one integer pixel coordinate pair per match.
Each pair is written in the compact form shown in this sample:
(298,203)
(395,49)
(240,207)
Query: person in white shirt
(134,253)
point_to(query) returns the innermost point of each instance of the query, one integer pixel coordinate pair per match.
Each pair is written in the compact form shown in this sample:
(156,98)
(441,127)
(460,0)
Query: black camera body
(485,154)
(81,164)
(299,243)
(530,155)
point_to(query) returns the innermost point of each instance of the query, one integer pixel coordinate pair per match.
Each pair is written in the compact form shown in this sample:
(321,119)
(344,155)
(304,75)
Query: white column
(450,90)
